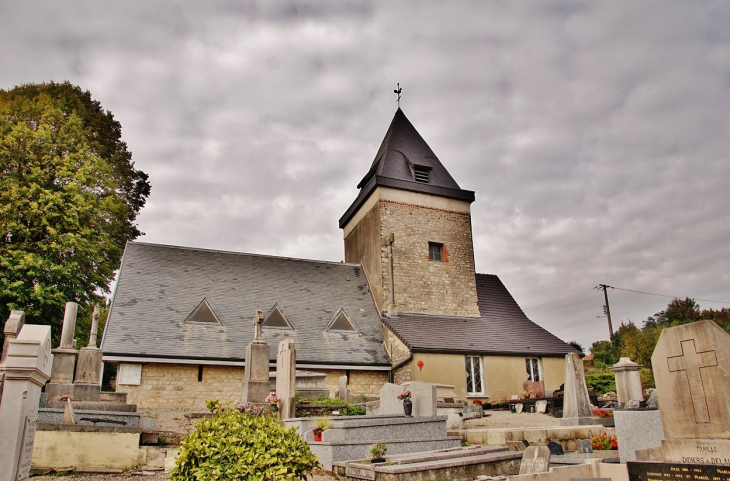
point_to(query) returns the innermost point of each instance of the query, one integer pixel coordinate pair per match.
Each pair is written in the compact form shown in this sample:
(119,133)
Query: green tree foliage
(69,198)
(577,345)
(601,382)
(238,445)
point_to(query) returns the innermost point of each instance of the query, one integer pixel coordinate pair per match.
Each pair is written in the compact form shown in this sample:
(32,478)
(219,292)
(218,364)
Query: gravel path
(506,419)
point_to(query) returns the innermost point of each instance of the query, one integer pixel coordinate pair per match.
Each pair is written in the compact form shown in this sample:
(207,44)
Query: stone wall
(177,385)
(422,285)
(362,246)
(360,382)
(403,373)
(395,349)
(367,382)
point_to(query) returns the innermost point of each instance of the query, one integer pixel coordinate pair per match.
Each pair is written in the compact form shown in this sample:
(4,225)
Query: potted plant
(377,453)
(407,403)
(323,425)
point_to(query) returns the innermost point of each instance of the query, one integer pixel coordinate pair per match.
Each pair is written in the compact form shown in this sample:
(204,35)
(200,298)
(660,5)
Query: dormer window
(341,322)
(275,318)
(203,313)
(421,173)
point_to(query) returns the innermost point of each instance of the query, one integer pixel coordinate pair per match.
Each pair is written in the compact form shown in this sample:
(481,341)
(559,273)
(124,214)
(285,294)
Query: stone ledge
(86,428)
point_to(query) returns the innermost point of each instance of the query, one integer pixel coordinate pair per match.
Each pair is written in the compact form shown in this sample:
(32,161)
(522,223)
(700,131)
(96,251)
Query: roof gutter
(237,363)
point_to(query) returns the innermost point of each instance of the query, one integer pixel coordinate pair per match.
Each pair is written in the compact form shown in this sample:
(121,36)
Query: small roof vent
(341,322)
(203,313)
(276,318)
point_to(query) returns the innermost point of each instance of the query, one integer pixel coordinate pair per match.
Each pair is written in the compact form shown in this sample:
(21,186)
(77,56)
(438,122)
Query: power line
(665,295)
(569,297)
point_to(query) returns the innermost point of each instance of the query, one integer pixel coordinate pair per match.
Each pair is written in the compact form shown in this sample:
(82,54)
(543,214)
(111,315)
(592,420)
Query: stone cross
(258,321)
(94,325)
(286,360)
(27,368)
(690,362)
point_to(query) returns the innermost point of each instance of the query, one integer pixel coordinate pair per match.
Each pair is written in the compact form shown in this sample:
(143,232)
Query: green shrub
(355,410)
(601,382)
(236,445)
(329,401)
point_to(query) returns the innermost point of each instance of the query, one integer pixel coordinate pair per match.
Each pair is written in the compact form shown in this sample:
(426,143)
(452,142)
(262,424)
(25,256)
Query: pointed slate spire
(405,161)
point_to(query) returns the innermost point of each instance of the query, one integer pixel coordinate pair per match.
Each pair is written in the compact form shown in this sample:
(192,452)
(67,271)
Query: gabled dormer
(202,313)
(276,318)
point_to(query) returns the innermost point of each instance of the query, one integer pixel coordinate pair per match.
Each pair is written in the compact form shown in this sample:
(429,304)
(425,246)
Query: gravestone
(64,358)
(535,460)
(423,396)
(628,381)
(27,368)
(15,322)
(541,406)
(389,404)
(584,445)
(256,375)
(87,383)
(577,408)
(286,360)
(342,392)
(691,366)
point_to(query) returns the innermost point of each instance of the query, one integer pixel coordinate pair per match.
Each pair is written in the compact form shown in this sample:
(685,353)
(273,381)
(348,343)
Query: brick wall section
(422,285)
(361,382)
(177,385)
(403,373)
(367,382)
(362,246)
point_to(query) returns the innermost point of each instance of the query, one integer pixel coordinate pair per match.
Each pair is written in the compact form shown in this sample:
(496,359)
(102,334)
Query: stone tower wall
(422,285)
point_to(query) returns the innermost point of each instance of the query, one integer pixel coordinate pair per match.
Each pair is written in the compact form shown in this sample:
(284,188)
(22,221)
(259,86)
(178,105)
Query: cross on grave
(691,362)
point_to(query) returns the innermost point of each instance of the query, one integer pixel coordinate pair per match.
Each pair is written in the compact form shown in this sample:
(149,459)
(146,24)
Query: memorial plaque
(647,471)
(26,449)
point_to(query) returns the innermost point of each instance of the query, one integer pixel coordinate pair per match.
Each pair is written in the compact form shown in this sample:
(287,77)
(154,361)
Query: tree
(69,198)
(679,311)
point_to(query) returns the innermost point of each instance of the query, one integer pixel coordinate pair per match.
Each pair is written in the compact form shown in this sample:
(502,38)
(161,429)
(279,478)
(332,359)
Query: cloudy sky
(596,135)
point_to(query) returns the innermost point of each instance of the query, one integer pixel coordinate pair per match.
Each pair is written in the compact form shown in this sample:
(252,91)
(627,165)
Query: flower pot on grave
(317,432)
(408,407)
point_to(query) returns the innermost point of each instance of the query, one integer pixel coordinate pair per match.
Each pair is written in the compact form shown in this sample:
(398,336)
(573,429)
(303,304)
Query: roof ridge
(268,256)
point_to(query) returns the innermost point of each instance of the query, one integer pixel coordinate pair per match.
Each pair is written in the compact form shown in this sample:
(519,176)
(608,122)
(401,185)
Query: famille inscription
(670,472)
(705,456)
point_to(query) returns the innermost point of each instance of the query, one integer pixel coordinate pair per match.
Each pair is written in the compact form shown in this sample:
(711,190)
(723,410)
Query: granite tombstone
(691,366)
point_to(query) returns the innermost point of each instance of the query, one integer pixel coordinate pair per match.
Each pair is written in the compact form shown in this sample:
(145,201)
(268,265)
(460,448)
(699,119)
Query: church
(406,305)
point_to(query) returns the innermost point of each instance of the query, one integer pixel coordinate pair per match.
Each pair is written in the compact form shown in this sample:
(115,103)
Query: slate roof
(502,329)
(401,150)
(159,286)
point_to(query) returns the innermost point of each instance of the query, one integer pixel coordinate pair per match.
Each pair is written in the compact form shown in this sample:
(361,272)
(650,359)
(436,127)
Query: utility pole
(607,309)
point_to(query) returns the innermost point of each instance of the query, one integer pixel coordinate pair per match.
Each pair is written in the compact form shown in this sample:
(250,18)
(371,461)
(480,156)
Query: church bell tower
(410,228)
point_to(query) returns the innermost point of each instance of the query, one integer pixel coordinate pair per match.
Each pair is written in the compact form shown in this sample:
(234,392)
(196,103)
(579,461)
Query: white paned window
(474,383)
(532,366)
(130,374)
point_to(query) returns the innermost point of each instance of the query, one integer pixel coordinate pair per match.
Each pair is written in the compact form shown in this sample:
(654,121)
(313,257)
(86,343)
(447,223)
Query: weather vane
(398,91)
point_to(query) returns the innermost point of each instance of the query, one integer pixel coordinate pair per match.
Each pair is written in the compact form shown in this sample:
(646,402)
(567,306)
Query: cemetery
(410,427)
